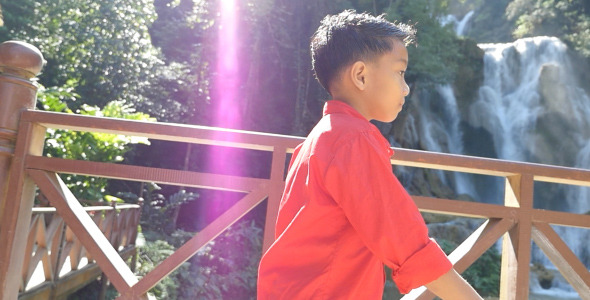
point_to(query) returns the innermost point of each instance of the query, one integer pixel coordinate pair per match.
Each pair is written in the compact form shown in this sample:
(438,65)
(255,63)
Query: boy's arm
(452,286)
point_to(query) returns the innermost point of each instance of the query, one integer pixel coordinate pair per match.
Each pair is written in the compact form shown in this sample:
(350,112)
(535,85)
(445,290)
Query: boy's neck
(354,102)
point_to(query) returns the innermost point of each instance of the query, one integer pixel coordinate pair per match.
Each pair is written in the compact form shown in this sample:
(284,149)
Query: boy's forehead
(398,53)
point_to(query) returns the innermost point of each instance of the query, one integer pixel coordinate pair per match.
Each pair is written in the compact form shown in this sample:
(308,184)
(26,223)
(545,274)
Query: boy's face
(386,85)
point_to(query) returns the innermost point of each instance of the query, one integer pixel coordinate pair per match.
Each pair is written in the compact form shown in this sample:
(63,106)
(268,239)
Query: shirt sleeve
(361,181)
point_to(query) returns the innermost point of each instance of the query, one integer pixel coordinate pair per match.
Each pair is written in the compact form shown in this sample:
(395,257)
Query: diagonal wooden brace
(470,250)
(192,246)
(84,228)
(572,269)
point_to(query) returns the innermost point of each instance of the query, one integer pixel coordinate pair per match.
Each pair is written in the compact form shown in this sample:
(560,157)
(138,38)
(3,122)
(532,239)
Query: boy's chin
(387,119)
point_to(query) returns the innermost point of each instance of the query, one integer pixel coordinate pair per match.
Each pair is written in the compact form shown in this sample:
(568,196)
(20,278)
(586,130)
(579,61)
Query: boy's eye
(402,73)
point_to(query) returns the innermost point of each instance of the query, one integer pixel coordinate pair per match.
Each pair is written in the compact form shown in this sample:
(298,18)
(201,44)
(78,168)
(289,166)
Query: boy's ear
(358,74)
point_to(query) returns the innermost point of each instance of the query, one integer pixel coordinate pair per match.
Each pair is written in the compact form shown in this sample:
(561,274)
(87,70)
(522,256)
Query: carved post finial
(20,59)
(19,64)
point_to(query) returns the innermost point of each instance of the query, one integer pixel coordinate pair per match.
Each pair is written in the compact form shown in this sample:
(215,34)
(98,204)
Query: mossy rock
(469,75)
(545,276)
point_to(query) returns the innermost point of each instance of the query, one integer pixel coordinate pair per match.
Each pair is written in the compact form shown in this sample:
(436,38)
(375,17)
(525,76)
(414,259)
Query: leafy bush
(159,213)
(92,291)
(91,146)
(484,273)
(227,267)
(150,255)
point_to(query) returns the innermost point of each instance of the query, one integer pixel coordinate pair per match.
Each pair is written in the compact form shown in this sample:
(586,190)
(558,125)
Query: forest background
(157,60)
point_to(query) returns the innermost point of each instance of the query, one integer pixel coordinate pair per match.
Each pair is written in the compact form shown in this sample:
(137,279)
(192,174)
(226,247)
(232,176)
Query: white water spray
(536,112)
(458,25)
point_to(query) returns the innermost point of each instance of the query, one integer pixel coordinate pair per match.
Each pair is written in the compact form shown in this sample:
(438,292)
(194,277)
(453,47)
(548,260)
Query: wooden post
(19,64)
(516,246)
(274,197)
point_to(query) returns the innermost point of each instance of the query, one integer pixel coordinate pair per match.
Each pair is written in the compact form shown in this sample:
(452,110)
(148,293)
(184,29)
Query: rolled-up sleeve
(360,180)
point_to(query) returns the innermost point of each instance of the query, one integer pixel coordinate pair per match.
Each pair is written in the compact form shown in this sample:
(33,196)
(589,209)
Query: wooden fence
(517,221)
(56,263)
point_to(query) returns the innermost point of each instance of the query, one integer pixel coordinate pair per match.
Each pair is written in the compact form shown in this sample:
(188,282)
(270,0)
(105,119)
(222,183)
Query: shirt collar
(336,106)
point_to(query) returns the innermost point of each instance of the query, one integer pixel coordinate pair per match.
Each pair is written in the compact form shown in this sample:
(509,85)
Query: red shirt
(342,216)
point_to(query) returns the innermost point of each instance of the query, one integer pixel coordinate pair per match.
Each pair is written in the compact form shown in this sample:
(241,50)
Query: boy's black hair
(350,36)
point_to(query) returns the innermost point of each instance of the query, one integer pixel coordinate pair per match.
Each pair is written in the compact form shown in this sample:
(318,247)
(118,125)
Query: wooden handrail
(266,141)
(95,208)
(489,166)
(163,131)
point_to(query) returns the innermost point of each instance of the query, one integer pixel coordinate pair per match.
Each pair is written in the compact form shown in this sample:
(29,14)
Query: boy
(343,213)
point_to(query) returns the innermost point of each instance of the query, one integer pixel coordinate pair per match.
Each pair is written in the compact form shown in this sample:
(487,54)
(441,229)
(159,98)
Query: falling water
(439,126)
(463,23)
(535,111)
(440,132)
(580,196)
(509,102)
(458,25)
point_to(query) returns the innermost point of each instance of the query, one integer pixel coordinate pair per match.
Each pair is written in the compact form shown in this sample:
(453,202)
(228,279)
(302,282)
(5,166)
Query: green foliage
(227,267)
(158,213)
(484,274)
(92,291)
(490,24)
(16,16)
(469,74)
(568,20)
(152,253)
(91,146)
(103,45)
(436,57)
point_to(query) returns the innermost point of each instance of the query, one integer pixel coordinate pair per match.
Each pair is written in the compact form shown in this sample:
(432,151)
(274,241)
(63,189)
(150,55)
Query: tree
(92,146)
(103,45)
(16,15)
(568,20)
(180,88)
(436,56)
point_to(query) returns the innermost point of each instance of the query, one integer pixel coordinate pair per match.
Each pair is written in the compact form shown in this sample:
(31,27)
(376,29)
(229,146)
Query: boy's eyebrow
(402,60)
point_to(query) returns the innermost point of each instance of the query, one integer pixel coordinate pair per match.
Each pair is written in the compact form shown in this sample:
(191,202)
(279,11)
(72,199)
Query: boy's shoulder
(336,131)
(341,126)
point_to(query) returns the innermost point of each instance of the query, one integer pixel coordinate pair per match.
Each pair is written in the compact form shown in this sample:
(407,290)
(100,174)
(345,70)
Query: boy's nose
(406,89)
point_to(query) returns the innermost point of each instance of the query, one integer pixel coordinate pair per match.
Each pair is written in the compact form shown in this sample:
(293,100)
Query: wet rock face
(560,129)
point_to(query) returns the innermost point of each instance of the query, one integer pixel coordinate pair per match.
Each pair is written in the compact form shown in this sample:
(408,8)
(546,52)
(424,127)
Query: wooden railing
(50,244)
(35,169)
(517,221)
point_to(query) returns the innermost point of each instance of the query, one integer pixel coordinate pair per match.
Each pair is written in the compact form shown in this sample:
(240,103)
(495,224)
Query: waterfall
(580,196)
(460,29)
(536,111)
(458,25)
(450,119)
(439,131)
(439,124)
(510,102)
